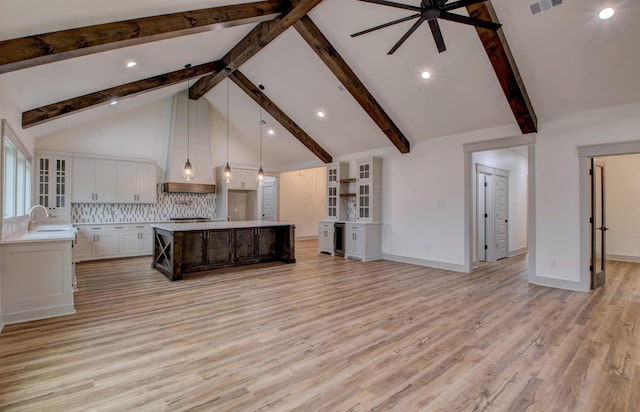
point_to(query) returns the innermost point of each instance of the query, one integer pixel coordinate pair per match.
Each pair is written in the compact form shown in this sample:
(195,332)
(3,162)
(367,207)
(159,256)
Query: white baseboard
(517,252)
(424,262)
(557,283)
(623,258)
(37,314)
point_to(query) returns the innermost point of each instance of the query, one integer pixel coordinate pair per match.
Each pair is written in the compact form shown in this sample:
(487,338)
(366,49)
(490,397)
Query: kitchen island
(182,248)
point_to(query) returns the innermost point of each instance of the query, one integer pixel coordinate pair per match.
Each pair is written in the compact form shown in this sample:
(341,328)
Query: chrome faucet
(31,211)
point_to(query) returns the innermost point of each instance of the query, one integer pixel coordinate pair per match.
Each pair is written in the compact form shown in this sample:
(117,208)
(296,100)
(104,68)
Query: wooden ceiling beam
(497,48)
(53,111)
(281,117)
(45,48)
(330,56)
(252,43)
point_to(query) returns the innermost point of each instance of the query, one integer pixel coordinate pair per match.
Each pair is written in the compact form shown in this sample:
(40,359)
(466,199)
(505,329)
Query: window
(9,178)
(16,175)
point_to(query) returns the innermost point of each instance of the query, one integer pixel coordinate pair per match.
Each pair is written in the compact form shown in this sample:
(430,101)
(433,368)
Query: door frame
(585,153)
(504,143)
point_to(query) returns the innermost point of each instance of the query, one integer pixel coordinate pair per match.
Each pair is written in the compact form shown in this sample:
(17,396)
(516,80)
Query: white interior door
(483,215)
(269,201)
(501,221)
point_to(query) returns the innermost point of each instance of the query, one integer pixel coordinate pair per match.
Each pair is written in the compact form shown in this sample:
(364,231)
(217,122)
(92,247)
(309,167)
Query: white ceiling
(570,61)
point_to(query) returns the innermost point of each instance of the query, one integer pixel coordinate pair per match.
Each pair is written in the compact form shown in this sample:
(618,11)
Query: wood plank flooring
(328,334)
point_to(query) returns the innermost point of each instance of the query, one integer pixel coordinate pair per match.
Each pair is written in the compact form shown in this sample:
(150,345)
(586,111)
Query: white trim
(37,314)
(558,284)
(609,149)
(623,258)
(502,143)
(424,262)
(517,252)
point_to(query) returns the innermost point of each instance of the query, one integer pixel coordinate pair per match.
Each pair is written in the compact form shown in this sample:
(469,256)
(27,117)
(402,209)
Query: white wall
(517,165)
(622,206)
(302,199)
(141,133)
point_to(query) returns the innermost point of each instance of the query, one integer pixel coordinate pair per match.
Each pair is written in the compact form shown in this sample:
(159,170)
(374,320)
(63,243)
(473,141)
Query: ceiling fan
(430,11)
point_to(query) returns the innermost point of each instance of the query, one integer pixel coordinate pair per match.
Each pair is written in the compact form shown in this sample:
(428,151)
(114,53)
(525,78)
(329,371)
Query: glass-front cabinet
(369,190)
(336,191)
(52,185)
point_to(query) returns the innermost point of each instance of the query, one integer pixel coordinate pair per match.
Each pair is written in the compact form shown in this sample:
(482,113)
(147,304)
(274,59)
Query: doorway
(594,250)
(268,199)
(527,145)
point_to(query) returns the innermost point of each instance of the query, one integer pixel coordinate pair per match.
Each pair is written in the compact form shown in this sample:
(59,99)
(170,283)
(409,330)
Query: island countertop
(187,227)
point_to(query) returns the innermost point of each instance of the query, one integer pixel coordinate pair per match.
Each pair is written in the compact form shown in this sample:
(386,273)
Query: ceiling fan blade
(394,4)
(460,3)
(469,20)
(437,35)
(406,36)
(382,26)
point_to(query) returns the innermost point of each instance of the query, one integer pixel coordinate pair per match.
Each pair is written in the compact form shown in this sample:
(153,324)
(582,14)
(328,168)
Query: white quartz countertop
(185,227)
(43,233)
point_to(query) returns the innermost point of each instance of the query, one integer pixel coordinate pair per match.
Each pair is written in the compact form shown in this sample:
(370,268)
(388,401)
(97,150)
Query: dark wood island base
(182,248)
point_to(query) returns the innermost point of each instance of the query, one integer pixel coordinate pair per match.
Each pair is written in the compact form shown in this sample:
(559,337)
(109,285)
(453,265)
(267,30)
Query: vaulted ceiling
(568,59)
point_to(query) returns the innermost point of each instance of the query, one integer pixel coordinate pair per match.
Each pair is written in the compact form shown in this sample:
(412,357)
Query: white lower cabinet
(325,237)
(363,241)
(136,241)
(112,241)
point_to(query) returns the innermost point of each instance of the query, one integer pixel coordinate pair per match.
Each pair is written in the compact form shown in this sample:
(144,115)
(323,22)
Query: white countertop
(42,233)
(180,227)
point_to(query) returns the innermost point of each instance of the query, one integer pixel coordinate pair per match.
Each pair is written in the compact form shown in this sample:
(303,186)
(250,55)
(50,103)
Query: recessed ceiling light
(606,13)
(425,75)
(271,132)
(113,103)
(131,64)
(320,113)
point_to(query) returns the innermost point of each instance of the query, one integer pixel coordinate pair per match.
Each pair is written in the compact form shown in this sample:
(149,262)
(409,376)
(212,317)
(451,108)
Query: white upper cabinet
(53,174)
(136,182)
(337,188)
(369,190)
(94,180)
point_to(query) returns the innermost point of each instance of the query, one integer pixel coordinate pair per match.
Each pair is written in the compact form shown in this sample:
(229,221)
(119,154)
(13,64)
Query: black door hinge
(590,172)
(486,247)
(486,215)
(591,220)
(591,268)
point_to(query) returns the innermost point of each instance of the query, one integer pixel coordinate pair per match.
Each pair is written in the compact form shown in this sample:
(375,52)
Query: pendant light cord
(227,120)
(188,113)
(261,123)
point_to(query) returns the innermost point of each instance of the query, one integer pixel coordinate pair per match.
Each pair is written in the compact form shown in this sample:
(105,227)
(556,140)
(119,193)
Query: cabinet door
(83,180)
(106,245)
(364,171)
(193,248)
(364,202)
(245,245)
(266,243)
(128,243)
(105,180)
(83,248)
(146,182)
(60,189)
(325,237)
(44,180)
(219,246)
(127,182)
(355,241)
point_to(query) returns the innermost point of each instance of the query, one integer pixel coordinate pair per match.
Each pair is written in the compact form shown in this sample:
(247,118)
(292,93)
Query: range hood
(195,136)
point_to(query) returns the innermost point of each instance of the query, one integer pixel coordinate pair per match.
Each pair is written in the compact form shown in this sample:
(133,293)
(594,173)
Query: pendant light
(227,168)
(187,173)
(260,171)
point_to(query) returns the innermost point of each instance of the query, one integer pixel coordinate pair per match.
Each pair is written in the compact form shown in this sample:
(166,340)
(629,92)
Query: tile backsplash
(168,205)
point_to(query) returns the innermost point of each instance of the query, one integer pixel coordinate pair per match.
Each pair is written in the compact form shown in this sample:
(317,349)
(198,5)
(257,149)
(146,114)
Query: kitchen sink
(52,228)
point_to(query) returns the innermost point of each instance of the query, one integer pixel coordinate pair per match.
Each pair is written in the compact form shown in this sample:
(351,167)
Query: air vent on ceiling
(544,5)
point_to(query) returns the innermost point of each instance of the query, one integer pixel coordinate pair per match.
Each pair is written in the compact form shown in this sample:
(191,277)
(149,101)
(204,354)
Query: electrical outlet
(554,263)
(428,248)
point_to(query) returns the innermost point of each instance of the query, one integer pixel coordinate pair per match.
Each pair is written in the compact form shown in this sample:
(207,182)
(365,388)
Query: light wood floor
(329,335)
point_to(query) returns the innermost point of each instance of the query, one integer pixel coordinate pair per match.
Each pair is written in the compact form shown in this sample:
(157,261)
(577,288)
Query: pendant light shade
(187,172)
(227,168)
